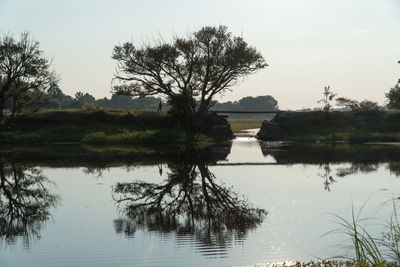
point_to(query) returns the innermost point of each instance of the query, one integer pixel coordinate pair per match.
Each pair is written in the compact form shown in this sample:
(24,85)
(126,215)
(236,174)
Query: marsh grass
(391,239)
(370,250)
(365,246)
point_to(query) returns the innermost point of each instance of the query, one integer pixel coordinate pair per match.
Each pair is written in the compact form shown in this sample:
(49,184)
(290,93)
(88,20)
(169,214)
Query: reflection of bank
(24,202)
(94,157)
(190,202)
(314,153)
(361,158)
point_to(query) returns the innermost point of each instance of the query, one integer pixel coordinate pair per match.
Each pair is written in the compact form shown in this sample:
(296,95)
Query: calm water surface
(243,204)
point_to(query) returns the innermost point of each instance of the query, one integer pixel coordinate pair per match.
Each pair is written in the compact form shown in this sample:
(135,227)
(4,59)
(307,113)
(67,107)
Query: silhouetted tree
(355,105)
(327,99)
(248,103)
(393,97)
(54,90)
(189,72)
(24,71)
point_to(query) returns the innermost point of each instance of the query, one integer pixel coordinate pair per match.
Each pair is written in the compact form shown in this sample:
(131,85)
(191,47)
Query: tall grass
(370,250)
(365,246)
(391,239)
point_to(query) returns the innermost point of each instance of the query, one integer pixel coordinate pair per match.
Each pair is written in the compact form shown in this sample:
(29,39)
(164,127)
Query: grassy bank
(240,125)
(101,127)
(159,138)
(356,127)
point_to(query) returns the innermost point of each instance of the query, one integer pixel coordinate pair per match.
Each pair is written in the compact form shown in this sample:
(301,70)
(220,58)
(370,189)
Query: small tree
(189,72)
(24,72)
(393,97)
(327,99)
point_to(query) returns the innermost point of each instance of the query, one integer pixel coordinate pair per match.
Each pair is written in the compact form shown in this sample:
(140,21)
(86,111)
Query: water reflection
(190,202)
(178,202)
(364,158)
(24,202)
(314,153)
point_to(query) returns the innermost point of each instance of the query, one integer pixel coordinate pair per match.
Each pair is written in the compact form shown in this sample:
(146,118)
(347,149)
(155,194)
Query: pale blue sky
(352,45)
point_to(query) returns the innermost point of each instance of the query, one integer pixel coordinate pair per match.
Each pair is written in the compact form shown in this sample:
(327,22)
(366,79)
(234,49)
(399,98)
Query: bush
(393,97)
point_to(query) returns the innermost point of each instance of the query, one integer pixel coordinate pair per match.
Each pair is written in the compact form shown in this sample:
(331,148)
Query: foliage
(24,73)
(366,248)
(61,101)
(359,126)
(327,99)
(354,105)
(147,138)
(127,102)
(188,71)
(249,103)
(373,250)
(96,126)
(393,97)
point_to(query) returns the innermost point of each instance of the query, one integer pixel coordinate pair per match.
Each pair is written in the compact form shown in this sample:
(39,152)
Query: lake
(242,203)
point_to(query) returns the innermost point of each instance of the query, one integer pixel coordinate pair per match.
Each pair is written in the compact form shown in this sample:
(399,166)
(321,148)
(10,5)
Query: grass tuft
(369,250)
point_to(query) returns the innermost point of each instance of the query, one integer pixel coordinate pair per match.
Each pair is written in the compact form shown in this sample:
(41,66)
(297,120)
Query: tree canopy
(248,103)
(24,72)
(188,71)
(354,105)
(393,97)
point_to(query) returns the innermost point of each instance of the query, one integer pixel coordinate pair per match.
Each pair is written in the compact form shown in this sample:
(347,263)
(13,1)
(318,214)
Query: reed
(369,250)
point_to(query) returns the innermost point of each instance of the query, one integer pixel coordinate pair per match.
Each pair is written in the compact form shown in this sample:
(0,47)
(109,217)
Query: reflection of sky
(247,150)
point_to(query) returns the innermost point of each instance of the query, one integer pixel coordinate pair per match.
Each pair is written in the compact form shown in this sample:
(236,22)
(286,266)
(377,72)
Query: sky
(353,46)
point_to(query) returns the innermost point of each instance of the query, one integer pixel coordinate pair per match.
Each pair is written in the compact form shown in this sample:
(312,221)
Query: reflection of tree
(357,167)
(326,175)
(394,168)
(24,202)
(190,202)
(354,168)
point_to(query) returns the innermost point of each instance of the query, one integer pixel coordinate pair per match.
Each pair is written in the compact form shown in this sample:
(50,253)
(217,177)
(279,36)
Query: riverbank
(243,125)
(319,126)
(104,127)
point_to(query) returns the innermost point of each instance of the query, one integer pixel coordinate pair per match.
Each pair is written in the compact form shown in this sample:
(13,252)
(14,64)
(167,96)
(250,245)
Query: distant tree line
(54,98)
(263,103)
(59,100)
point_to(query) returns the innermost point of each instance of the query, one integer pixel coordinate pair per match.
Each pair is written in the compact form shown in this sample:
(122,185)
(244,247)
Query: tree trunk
(182,110)
(202,110)
(14,107)
(1,109)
